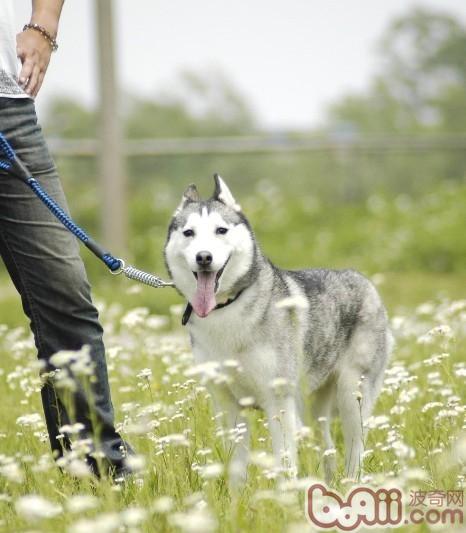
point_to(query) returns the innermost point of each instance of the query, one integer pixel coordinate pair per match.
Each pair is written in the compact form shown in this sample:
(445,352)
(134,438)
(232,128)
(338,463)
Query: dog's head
(209,247)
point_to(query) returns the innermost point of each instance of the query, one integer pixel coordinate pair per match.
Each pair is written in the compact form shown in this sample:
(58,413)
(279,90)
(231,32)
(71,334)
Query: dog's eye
(188,233)
(221,231)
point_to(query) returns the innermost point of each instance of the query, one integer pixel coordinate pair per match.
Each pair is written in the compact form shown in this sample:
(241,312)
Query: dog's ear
(190,195)
(223,194)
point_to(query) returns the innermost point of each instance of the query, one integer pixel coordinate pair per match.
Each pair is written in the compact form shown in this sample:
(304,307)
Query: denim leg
(43,260)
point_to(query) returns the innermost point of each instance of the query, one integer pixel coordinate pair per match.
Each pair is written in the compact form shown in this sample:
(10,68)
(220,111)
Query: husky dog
(326,328)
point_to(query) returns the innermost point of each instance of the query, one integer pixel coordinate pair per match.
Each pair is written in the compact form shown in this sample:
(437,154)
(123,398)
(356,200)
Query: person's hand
(34,52)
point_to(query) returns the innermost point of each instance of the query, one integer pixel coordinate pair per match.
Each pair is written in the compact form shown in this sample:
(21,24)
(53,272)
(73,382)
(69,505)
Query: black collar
(189,308)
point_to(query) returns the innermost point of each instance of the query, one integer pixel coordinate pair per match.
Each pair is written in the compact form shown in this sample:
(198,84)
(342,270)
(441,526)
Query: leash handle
(13,164)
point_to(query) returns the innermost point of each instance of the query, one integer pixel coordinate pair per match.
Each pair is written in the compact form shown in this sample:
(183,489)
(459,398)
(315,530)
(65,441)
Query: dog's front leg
(235,433)
(283,418)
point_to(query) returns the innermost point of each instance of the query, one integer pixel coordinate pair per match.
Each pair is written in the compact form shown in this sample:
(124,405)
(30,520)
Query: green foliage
(423,71)
(68,119)
(404,233)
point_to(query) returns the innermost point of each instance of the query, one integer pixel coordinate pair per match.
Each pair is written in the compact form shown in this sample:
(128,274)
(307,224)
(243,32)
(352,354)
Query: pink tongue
(204,299)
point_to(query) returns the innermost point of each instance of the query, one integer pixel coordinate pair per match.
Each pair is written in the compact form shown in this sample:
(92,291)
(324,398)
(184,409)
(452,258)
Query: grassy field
(165,412)
(417,437)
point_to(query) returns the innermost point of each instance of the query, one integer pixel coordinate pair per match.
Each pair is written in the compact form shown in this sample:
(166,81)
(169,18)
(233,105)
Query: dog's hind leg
(323,405)
(351,415)
(358,383)
(284,421)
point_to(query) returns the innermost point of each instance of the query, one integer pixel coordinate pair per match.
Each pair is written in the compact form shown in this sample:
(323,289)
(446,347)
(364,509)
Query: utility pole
(111,162)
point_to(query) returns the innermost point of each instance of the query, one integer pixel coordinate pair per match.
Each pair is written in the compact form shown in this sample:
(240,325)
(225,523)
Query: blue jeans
(43,260)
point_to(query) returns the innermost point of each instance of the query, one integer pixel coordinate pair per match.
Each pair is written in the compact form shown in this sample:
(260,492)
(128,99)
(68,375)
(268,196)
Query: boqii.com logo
(367,507)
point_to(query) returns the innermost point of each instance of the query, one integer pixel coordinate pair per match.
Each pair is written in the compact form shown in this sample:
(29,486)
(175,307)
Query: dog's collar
(189,308)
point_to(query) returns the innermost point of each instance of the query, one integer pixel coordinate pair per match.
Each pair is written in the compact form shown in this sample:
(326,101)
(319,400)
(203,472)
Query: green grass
(169,402)
(418,244)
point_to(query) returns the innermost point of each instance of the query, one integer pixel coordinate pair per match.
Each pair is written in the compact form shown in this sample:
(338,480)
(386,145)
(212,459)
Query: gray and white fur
(326,328)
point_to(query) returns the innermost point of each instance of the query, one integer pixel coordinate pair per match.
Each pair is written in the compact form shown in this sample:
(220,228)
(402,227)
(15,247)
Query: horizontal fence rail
(274,143)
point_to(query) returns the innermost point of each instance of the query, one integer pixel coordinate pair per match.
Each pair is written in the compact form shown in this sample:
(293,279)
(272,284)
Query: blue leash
(10,162)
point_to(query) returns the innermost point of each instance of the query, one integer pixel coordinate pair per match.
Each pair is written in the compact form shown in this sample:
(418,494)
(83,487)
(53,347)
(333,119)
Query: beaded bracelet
(53,43)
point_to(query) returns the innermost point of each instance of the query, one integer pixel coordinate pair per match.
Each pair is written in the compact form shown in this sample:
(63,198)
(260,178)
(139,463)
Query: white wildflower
(329,451)
(402,450)
(135,463)
(78,468)
(176,310)
(203,452)
(62,358)
(262,459)
(446,391)
(377,422)
(303,433)
(163,504)
(447,413)
(431,405)
(81,502)
(426,308)
(33,420)
(211,471)
(135,317)
(414,473)
(174,439)
(104,523)
(208,370)
(72,429)
(195,521)
(79,361)
(436,451)
(145,373)
(436,359)
(137,428)
(133,516)
(11,470)
(280,385)
(156,322)
(43,464)
(444,332)
(247,401)
(33,507)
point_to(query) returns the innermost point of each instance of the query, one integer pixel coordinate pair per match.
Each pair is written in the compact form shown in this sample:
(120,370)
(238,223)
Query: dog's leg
(324,400)
(358,384)
(283,418)
(236,433)
(350,410)
(355,399)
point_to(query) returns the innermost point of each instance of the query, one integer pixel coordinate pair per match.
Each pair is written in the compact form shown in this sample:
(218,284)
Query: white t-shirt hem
(10,65)
(23,95)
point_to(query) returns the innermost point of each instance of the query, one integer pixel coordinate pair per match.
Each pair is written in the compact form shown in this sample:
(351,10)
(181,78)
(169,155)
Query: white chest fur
(228,335)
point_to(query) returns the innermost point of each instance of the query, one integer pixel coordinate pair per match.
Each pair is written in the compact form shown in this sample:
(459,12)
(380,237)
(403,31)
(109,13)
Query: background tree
(421,82)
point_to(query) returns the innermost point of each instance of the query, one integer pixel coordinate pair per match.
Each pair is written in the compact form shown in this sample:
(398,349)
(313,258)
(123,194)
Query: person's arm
(33,49)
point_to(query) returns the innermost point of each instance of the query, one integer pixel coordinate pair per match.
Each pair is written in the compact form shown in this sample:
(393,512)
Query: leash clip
(120,269)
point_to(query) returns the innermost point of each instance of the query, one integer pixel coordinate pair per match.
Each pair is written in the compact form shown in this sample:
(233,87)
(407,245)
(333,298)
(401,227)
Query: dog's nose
(203,258)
